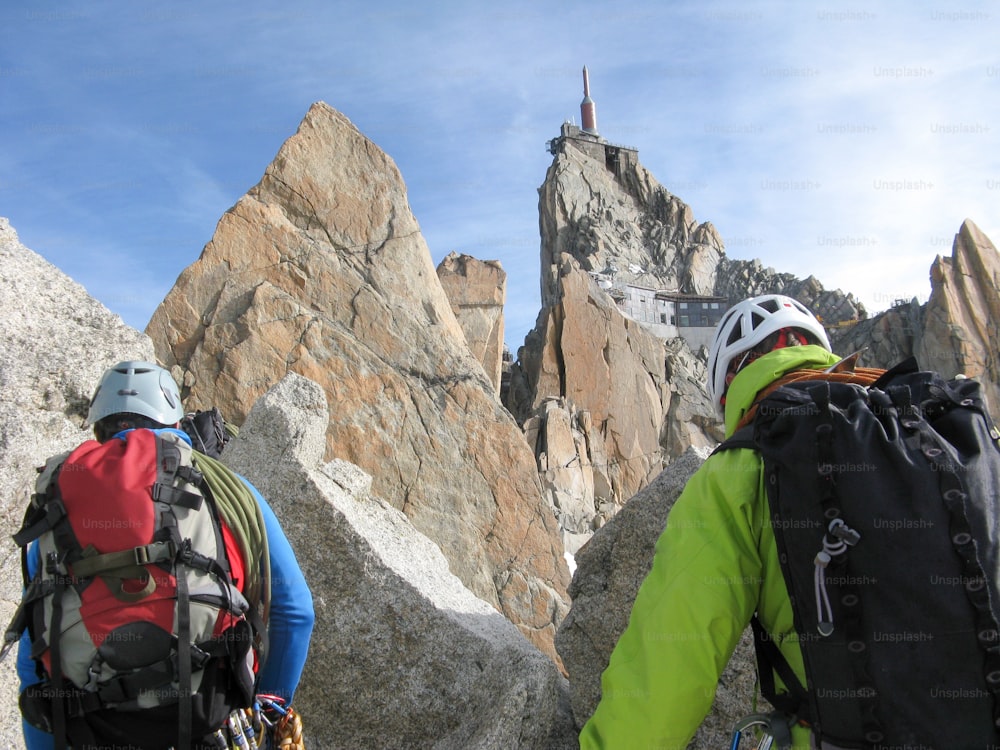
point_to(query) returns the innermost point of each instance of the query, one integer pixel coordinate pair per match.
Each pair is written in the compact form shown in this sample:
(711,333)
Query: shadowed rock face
(321,270)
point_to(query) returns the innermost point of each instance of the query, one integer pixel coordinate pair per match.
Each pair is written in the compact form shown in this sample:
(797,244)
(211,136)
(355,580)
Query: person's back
(134,410)
(882,493)
(721,559)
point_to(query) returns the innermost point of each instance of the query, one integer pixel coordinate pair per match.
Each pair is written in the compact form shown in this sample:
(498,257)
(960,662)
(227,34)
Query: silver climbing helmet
(137,388)
(747,324)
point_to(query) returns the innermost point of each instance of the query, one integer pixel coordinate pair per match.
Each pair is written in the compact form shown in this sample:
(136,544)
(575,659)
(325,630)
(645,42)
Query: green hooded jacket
(715,564)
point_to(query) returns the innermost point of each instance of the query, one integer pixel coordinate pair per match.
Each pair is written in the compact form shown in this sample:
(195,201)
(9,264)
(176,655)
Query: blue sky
(848,141)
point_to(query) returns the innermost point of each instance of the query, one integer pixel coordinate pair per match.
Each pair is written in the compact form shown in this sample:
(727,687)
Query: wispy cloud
(848,143)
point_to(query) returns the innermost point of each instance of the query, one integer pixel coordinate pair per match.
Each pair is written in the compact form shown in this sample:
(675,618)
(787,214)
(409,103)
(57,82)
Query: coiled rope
(241,513)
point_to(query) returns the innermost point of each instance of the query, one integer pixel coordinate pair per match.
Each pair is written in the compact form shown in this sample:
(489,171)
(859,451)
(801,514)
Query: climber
(708,576)
(136,403)
(808,494)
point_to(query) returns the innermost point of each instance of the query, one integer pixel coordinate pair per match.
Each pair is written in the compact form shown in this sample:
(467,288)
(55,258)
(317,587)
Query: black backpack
(885,504)
(209,432)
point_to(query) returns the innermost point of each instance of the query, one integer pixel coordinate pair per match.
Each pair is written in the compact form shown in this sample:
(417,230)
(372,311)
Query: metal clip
(745,723)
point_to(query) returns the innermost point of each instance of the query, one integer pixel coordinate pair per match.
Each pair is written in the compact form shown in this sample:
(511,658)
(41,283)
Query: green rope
(241,513)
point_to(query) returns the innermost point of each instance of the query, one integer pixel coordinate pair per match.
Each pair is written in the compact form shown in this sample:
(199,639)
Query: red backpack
(139,633)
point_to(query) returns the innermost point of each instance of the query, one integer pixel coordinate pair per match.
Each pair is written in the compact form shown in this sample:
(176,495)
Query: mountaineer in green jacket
(716,563)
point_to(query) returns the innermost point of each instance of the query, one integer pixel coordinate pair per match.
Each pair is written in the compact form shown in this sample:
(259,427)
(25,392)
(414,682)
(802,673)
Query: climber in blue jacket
(133,395)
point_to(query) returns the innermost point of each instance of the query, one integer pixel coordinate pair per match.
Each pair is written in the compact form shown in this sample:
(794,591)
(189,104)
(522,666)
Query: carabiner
(745,723)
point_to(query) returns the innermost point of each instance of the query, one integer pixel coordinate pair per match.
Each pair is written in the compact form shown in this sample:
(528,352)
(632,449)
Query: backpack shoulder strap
(742,438)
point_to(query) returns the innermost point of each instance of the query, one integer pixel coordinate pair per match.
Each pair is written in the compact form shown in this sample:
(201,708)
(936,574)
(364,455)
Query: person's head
(753,328)
(132,395)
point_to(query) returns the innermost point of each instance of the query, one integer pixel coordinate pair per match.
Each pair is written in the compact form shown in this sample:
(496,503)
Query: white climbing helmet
(748,323)
(137,388)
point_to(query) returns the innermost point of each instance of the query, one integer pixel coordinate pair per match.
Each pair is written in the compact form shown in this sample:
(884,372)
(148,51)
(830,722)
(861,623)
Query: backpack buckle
(154,552)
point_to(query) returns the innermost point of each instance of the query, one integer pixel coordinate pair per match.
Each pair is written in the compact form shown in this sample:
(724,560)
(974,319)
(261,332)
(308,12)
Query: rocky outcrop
(573,469)
(595,360)
(624,401)
(738,279)
(403,655)
(960,333)
(57,341)
(621,221)
(378,674)
(690,419)
(885,339)
(477,290)
(610,569)
(604,218)
(955,331)
(321,270)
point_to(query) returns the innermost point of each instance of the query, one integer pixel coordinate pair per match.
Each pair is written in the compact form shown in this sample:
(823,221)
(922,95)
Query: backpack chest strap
(123,561)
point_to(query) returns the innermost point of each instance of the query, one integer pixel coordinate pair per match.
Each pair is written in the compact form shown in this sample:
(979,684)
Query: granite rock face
(477,290)
(402,655)
(57,342)
(739,279)
(616,218)
(960,332)
(594,360)
(321,270)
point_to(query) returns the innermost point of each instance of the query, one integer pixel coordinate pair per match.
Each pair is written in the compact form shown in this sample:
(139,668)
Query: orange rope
(288,732)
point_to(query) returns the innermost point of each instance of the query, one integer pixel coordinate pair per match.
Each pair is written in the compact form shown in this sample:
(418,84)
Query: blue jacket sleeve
(291,621)
(34,739)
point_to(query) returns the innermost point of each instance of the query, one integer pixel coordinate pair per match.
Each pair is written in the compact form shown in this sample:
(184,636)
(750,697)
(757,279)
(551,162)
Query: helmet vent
(770,305)
(756,320)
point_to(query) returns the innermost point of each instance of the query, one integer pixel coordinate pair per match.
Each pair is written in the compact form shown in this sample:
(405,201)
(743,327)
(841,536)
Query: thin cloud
(801,132)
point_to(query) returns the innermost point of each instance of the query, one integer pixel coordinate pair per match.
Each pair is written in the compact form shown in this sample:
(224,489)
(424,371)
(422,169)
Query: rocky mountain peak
(955,331)
(632,287)
(321,270)
(599,205)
